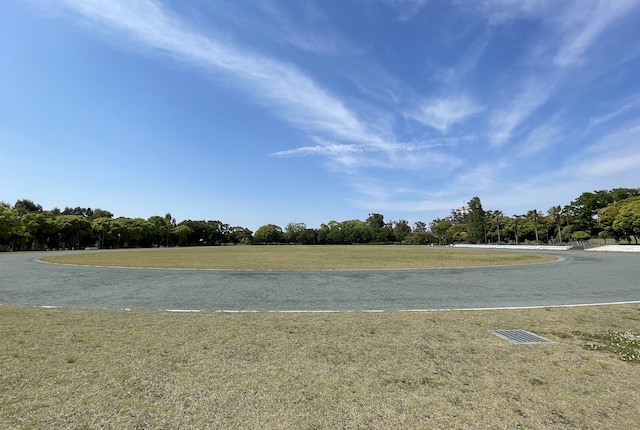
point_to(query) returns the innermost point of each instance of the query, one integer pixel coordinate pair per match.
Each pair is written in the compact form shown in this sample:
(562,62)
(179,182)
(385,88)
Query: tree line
(606,214)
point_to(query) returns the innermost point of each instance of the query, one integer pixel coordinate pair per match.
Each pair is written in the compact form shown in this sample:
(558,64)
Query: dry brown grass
(140,369)
(302,257)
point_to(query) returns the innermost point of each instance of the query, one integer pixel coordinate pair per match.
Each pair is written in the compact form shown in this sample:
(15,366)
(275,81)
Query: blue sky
(274,111)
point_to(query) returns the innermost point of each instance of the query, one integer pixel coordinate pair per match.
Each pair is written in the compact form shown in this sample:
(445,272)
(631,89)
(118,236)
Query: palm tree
(516,227)
(556,213)
(534,215)
(498,215)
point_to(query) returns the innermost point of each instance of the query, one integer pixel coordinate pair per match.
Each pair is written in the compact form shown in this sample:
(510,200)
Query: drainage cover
(520,336)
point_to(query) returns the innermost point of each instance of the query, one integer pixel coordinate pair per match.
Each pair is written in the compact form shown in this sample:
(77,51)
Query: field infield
(299,258)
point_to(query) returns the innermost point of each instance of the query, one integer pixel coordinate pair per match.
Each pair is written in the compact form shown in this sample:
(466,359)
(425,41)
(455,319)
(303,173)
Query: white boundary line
(370,311)
(339,311)
(374,311)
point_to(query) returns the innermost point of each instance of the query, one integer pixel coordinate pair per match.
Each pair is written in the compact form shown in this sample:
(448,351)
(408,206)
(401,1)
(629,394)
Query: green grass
(70,368)
(302,258)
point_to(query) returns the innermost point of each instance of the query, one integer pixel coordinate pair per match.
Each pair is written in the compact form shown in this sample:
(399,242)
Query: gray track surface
(579,278)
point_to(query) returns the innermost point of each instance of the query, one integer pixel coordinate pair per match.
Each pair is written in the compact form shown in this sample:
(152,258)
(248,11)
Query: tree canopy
(609,214)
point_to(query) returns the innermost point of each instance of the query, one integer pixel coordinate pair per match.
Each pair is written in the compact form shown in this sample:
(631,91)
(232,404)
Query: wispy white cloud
(571,27)
(500,11)
(541,137)
(602,119)
(583,23)
(371,193)
(405,156)
(442,113)
(615,155)
(505,120)
(309,29)
(455,75)
(295,96)
(406,9)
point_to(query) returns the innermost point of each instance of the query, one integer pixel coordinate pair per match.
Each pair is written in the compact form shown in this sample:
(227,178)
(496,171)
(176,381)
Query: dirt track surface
(579,278)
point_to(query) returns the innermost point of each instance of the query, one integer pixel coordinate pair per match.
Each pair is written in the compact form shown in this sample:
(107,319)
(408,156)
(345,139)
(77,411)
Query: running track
(578,278)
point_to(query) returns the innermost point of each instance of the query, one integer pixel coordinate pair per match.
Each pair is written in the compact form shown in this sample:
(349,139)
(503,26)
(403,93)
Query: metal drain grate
(520,336)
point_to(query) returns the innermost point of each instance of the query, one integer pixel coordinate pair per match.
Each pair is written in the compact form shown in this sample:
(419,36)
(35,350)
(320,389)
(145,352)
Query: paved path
(579,278)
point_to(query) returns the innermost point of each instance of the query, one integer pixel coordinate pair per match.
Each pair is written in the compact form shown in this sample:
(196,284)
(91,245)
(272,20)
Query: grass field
(302,258)
(87,369)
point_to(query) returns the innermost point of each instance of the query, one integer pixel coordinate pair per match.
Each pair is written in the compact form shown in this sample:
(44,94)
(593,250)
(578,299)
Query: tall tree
(25,206)
(419,227)
(515,225)
(497,217)
(375,221)
(555,212)
(401,230)
(476,224)
(533,215)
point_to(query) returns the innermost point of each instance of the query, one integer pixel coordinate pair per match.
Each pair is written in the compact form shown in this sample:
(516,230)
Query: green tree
(419,227)
(25,206)
(375,221)
(580,236)
(628,219)
(11,227)
(534,216)
(103,230)
(618,219)
(40,229)
(495,221)
(269,233)
(584,209)
(295,232)
(555,213)
(182,232)
(440,230)
(515,226)
(401,230)
(161,230)
(99,213)
(476,225)
(73,230)
(240,235)
(458,216)
(378,230)
(356,231)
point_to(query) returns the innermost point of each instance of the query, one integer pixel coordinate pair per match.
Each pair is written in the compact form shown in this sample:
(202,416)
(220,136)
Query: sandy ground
(616,248)
(518,247)
(606,248)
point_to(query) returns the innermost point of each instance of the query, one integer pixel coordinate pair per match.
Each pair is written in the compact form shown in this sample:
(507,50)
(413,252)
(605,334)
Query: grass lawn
(302,257)
(86,369)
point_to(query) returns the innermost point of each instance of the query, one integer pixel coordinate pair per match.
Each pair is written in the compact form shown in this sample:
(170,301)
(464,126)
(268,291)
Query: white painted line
(338,311)
(506,308)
